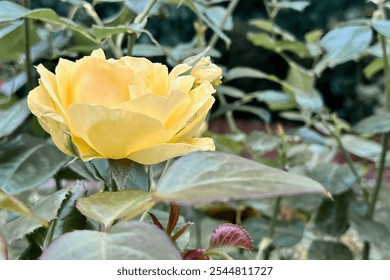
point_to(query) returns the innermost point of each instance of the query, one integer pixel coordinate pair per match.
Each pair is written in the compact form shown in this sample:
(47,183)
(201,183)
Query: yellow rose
(205,70)
(126,108)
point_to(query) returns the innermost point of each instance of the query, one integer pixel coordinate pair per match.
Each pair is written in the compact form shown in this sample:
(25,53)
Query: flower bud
(205,70)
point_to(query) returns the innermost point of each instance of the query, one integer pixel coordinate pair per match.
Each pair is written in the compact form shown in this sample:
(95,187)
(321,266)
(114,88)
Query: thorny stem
(385,137)
(230,9)
(30,82)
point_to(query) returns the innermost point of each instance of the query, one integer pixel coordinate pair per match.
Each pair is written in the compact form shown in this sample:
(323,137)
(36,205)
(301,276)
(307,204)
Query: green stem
(146,12)
(92,13)
(230,9)
(272,224)
(228,114)
(219,254)
(385,138)
(30,83)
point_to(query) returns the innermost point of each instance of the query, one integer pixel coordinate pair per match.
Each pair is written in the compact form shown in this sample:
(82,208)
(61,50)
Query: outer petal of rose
(64,72)
(162,152)
(48,81)
(199,96)
(96,81)
(192,128)
(114,133)
(40,105)
(158,107)
(99,53)
(178,70)
(182,83)
(158,80)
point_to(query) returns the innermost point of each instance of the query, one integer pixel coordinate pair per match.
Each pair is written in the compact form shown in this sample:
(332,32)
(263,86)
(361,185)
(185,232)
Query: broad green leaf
(228,143)
(261,142)
(263,114)
(13,117)
(205,177)
(382,27)
(147,50)
(68,217)
(108,207)
(268,26)
(276,100)
(124,241)
(363,148)
(46,208)
(120,170)
(10,11)
(231,91)
(310,136)
(13,41)
(294,5)
(335,178)
(345,43)
(332,215)
(13,84)
(27,162)
(313,36)
(11,203)
(287,233)
(244,72)
(374,124)
(372,231)
(301,85)
(102,32)
(216,14)
(138,6)
(329,250)
(374,67)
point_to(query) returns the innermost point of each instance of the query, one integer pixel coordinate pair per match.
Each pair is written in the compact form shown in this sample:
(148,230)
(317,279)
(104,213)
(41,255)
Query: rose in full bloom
(205,70)
(126,108)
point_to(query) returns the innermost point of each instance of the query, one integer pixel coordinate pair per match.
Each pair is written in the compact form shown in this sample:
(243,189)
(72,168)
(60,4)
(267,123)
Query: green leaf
(15,83)
(68,217)
(13,117)
(224,177)
(229,143)
(263,114)
(231,91)
(345,43)
(102,32)
(332,215)
(374,124)
(137,241)
(363,148)
(372,231)
(301,86)
(295,5)
(260,142)
(382,26)
(287,233)
(11,203)
(216,14)
(335,178)
(329,250)
(10,11)
(107,207)
(27,162)
(244,72)
(276,100)
(46,208)
(120,170)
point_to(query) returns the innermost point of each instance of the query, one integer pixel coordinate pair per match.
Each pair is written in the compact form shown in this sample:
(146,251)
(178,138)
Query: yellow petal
(114,133)
(158,107)
(162,152)
(158,80)
(97,81)
(64,72)
(193,126)
(99,53)
(40,105)
(178,70)
(199,96)
(183,83)
(48,81)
